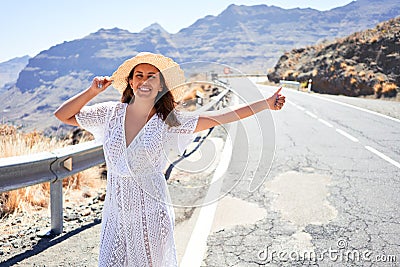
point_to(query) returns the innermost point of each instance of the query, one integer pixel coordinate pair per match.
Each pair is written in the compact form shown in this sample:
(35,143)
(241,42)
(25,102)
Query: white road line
(311,114)
(291,102)
(352,138)
(348,105)
(197,245)
(326,123)
(383,156)
(300,107)
(294,104)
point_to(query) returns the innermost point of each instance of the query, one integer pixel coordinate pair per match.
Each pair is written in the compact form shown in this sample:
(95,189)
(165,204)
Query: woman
(137,224)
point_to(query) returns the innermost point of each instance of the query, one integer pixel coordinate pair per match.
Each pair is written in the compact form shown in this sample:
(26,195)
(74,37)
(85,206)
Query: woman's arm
(67,111)
(275,102)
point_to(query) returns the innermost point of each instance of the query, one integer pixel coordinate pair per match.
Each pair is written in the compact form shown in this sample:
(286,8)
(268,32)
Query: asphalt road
(316,183)
(331,197)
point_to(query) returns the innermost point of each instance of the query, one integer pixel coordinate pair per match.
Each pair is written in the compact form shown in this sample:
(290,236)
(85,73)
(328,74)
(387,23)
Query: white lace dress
(137,222)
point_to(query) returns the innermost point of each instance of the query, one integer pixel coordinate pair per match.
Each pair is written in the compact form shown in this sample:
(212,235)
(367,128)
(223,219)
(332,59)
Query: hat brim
(173,75)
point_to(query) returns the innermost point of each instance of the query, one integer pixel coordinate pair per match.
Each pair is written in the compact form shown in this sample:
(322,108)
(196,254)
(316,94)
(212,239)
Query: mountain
(364,63)
(99,53)
(252,38)
(248,38)
(10,69)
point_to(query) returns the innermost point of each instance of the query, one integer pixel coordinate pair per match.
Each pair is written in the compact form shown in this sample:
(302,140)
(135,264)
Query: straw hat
(173,74)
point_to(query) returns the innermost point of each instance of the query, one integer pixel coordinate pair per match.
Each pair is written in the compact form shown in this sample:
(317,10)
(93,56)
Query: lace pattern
(138,222)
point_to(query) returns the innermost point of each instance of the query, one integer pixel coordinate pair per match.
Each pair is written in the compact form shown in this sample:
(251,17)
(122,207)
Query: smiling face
(145,81)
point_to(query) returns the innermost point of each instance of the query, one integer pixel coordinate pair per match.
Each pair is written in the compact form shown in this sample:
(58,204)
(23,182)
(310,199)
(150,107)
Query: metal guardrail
(290,84)
(24,171)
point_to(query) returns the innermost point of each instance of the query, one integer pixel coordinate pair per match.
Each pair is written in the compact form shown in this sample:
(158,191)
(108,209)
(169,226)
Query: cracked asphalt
(351,218)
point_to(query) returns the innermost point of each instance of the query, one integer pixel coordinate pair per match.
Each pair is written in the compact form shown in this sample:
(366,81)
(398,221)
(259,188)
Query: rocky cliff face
(10,69)
(364,63)
(99,53)
(248,38)
(252,38)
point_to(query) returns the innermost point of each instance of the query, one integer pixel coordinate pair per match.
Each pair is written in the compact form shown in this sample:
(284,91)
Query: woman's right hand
(67,111)
(100,83)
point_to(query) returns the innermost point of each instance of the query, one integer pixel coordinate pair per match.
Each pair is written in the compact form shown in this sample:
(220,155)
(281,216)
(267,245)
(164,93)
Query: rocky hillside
(10,69)
(364,63)
(252,38)
(248,38)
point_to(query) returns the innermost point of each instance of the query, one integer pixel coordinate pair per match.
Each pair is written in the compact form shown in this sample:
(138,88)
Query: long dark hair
(164,104)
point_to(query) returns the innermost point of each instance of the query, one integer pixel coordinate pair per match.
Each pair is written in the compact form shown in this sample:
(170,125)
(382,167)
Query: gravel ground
(25,234)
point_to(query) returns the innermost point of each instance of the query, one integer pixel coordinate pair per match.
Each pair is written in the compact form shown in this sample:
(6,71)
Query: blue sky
(30,26)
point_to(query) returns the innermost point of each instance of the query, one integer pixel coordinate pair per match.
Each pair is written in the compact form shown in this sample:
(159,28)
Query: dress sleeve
(94,118)
(184,134)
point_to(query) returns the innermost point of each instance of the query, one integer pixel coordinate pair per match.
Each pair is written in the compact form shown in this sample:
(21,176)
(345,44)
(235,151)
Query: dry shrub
(350,73)
(24,199)
(343,65)
(377,88)
(380,78)
(15,143)
(389,89)
(81,185)
(374,39)
(287,74)
(353,81)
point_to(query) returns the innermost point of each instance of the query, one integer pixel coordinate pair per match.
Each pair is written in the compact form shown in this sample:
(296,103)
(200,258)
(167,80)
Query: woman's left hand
(276,101)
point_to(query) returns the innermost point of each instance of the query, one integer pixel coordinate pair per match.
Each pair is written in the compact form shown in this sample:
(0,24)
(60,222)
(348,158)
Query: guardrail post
(56,206)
